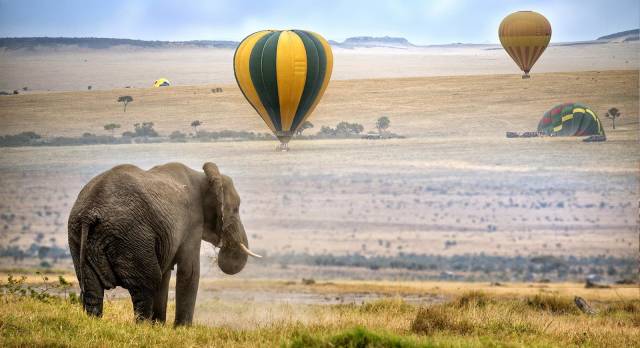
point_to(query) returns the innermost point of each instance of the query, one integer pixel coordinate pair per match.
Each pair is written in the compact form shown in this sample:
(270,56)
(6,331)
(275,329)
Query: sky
(420,21)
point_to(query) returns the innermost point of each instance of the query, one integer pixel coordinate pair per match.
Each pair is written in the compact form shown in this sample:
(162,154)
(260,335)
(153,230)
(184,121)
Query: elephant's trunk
(234,251)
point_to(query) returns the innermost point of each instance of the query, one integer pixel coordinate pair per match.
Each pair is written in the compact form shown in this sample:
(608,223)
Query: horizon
(420,23)
(329,39)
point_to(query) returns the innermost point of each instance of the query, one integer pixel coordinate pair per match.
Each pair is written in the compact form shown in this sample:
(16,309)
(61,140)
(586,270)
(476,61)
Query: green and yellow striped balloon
(283,75)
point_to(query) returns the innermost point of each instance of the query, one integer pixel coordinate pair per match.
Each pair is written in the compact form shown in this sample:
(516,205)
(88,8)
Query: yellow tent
(162,82)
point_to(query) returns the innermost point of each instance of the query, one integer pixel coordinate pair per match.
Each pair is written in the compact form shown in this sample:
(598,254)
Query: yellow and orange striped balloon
(525,35)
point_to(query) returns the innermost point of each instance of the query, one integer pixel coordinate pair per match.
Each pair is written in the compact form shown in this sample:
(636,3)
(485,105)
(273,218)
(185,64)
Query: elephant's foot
(92,305)
(142,304)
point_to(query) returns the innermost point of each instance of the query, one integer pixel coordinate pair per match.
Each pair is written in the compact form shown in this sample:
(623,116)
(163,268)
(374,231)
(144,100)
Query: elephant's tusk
(249,252)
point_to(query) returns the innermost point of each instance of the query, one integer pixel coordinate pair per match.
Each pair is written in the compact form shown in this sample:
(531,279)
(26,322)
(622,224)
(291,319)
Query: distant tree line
(144,132)
(41,252)
(103,43)
(478,266)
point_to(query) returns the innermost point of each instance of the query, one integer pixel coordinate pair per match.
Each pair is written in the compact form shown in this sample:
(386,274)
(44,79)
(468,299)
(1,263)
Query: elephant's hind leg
(93,294)
(160,299)
(142,303)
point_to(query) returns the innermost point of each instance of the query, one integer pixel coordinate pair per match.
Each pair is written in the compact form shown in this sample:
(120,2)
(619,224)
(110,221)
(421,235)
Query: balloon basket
(526,76)
(282,147)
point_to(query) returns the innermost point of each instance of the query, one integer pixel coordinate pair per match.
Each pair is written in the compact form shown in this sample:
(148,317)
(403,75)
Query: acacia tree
(382,124)
(612,114)
(195,124)
(145,130)
(303,126)
(346,128)
(125,99)
(111,127)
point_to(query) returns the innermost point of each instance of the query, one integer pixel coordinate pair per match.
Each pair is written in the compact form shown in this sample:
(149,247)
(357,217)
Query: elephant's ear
(215,186)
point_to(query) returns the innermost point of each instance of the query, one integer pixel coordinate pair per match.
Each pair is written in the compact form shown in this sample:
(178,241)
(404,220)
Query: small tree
(303,126)
(125,99)
(144,130)
(382,124)
(612,114)
(346,128)
(195,124)
(111,127)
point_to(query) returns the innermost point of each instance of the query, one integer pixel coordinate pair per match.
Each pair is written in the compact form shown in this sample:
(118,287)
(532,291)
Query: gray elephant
(130,227)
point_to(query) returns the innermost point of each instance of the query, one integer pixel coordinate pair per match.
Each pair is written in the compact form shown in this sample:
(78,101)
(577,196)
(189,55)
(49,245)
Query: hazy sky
(422,22)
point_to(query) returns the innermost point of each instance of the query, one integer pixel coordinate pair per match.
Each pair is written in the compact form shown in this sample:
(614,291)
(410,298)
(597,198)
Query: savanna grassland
(369,224)
(480,315)
(456,177)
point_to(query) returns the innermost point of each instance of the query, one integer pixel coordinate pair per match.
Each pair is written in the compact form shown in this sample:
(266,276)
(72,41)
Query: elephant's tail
(83,247)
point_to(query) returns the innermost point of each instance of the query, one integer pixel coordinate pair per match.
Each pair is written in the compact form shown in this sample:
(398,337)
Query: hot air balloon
(570,119)
(161,82)
(525,35)
(283,75)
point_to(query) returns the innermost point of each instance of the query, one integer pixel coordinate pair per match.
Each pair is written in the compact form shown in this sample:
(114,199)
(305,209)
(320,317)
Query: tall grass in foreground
(471,319)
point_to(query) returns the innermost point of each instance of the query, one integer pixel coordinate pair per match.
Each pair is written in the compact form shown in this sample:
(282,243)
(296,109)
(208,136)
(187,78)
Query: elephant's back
(119,198)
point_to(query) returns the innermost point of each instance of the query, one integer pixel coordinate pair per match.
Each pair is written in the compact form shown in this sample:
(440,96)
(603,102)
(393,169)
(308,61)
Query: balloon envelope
(525,35)
(162,82)
(570,119)
(283,75)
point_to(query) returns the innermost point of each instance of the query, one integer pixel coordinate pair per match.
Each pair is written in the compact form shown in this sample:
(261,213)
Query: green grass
(471,319)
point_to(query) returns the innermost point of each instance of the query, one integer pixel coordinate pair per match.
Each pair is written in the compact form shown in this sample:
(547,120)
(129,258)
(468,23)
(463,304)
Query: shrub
(553,304)
(17,288)
(357,337)
(144,129)
(395,305)
(472,298)
(632,307)
(177,135)
(342,130)
(436,318)
(22,139)
(309,281)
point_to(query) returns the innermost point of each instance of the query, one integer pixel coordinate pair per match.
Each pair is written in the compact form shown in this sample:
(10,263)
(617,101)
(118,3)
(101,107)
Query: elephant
(130,227)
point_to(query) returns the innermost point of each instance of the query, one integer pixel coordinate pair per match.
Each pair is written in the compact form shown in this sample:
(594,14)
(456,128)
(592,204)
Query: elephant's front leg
(160,299)
(187,286)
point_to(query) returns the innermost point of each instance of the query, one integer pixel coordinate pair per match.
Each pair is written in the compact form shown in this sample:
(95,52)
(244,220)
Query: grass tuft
(392,305)
(552,303)
(430,320)
(473,298)
(356,337)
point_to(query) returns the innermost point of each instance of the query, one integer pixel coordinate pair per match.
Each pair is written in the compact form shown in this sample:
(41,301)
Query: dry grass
(418,107)
(531,320)
(453,177)
(66,68)
(482,320)
(448,289)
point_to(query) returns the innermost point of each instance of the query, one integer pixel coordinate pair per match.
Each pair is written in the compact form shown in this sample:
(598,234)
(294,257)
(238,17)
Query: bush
(472,298)
(178,135)
(342,130)
(22,139)
(357,337)
(396,305)
(18,288)
(632,307)
(436,318)
(145,129)
(309,281)
(553,304)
